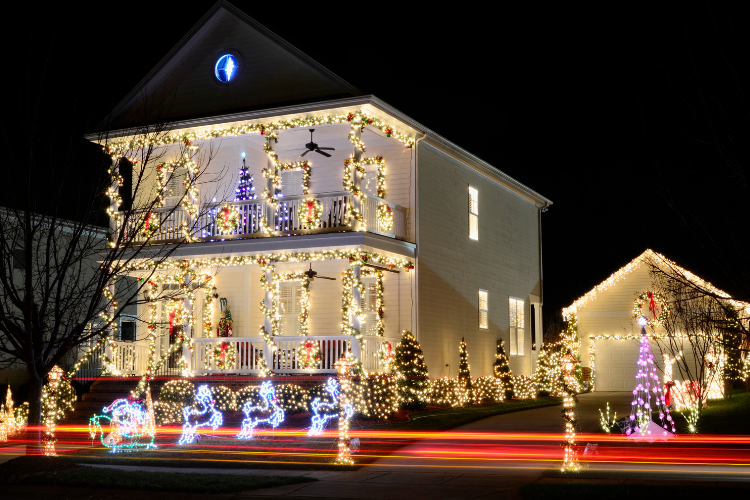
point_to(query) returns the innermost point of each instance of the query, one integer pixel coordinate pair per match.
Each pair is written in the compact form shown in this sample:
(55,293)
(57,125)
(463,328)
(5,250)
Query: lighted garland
(657,305)
(310,211)
(350,308)
(385,217)
(227,220)
(308,355)
(304,280)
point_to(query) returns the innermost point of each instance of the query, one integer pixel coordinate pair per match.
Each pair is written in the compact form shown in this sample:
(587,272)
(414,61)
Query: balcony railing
(242,356)
(285,221)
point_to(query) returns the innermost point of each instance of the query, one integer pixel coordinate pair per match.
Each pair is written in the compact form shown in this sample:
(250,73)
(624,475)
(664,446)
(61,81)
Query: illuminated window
(226,68)
(516,326)
(483,309)
(473,213)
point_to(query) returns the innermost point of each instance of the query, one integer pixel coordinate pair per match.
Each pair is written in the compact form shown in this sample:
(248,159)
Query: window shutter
(175,189)
(290,295)
(291,182)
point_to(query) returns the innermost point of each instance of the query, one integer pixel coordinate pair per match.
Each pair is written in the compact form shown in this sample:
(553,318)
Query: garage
(616,364)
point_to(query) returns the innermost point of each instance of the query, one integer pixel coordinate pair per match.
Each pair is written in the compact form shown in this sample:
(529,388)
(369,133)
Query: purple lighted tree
(245,189)
(647,384)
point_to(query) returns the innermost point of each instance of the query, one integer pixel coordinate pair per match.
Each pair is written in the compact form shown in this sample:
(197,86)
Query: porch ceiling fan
(311,146)
(314,274)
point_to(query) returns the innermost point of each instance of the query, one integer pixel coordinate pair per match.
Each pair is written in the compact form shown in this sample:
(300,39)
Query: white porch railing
(285,220)
(130,358)
(207,356)
(371,345)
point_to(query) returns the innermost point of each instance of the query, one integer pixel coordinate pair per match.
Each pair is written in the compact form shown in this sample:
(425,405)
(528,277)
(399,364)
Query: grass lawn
(91,477)
(448,418)
(576,490)
(723,416)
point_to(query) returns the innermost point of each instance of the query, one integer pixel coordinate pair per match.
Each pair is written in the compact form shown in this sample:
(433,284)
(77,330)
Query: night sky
(592,108)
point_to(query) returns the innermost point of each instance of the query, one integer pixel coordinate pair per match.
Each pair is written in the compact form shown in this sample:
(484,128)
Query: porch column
(186,323)
(268,300)
(356,201)
(356,298)
(114,200)
(111,307)
(270,212)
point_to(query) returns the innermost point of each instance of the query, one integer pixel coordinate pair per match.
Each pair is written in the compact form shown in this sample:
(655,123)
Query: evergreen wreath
(227,220)
(148,225)
(310,211)
(385,217)
(308,355)
(657,305)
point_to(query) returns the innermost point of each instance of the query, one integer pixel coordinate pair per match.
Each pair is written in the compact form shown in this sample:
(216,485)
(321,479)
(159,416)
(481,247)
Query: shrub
(166,413)
(224,398)
(449,391)
(181,392)
(524,387)
(292,398)
(249,393)
(489,389)
(376,396)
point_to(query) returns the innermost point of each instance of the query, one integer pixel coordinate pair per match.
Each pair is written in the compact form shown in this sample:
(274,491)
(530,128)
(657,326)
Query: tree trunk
(34,434)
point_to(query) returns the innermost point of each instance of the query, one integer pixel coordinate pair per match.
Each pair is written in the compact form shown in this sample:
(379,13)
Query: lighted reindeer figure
(319,421)
(130,426)
(268,404)
(204,416)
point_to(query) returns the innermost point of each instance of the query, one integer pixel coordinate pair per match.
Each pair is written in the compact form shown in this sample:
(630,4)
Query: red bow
(652,304)
(224,346)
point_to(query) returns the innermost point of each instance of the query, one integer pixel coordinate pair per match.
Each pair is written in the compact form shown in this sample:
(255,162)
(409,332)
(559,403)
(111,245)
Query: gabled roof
(181,86)
(648,255)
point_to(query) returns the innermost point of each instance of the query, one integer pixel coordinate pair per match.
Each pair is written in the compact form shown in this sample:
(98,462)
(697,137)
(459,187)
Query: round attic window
(226,68)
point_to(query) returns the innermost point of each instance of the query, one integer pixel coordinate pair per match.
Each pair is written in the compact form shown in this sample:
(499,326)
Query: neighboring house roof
(275,73)
(631,266)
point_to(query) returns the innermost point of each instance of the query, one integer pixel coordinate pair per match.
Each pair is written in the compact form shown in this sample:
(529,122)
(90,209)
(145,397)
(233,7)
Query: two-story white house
(417,233)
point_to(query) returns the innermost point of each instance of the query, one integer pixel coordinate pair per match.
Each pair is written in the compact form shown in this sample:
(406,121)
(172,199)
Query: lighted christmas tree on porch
(245,189)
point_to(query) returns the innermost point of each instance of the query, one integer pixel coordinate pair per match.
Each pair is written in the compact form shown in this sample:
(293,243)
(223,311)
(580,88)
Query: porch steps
(106,390)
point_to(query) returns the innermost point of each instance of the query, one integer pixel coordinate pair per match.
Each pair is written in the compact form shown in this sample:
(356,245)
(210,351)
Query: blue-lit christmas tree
(245,189)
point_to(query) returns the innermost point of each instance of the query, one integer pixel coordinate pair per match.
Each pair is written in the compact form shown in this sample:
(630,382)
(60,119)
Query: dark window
(19,259)
(533,327)
(127,331)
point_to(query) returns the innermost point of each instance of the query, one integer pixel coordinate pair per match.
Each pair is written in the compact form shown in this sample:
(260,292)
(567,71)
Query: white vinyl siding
(369,305)
(516,326)
(483,309)
(290,307)
(291,182)
(473,213)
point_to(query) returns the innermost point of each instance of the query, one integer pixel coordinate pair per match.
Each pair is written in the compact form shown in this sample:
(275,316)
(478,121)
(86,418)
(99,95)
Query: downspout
(542,208)
(415,304)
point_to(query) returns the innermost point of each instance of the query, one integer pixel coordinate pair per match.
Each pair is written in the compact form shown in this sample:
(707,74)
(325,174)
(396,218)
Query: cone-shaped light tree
(464,370)
(411,373)
(501,369)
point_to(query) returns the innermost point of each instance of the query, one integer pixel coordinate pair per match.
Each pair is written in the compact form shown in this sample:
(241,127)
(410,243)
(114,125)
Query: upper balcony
(295,216)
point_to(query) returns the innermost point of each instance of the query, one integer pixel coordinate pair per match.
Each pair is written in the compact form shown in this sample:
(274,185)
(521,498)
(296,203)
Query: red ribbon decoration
(224,346)
(668,393)
(310,208)
(390,351)
(652,304)
(308,350)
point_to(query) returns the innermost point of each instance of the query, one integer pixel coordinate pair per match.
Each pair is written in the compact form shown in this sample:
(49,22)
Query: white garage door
(616,364)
